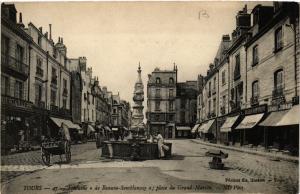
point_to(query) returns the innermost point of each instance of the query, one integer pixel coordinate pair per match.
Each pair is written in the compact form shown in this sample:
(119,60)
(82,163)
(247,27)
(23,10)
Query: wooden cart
(60,146)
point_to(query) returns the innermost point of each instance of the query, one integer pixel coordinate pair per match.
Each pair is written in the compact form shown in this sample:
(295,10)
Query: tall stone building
(138,99)
(186,107)
(161,95)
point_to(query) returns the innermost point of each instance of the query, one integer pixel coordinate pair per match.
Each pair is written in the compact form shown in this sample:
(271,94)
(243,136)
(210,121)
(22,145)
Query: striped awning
(69,123)
(292,117)
(208,126)
(273,119)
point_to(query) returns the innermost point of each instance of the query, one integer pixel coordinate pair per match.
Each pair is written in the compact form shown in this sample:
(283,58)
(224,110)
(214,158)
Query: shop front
(207,129)
(226,136)
(183,131)
(281,130)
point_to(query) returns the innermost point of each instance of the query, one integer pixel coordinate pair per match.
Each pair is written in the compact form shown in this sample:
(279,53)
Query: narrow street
(187,171)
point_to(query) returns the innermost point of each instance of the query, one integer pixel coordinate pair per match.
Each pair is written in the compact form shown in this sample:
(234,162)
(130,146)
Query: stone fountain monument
(138,127)
(136,148)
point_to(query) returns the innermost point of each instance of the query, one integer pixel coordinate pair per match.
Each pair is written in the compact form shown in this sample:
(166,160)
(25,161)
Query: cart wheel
(68,152)
(45,157)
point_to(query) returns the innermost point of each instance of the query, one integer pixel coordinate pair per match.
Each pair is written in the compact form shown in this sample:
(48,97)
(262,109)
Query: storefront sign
(256,110)
(273,108)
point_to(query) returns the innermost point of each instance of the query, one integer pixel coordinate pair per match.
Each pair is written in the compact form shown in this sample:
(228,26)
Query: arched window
(158,80)
(278,80)
(171,80)
(255,89)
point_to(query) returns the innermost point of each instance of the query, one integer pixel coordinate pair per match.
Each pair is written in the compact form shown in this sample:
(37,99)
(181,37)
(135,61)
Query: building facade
(161,95)
(185,107)
(258,81)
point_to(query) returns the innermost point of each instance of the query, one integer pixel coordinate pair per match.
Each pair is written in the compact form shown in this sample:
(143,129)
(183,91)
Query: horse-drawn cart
(60,146)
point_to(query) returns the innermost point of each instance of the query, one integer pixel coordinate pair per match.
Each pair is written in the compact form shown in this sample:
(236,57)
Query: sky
(116,36)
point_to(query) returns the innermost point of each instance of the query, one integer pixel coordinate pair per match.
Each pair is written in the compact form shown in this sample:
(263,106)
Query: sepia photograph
(150,97)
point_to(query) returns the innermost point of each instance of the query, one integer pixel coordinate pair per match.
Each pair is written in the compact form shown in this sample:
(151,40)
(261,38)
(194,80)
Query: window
(54,76)
(157,93)
(19,89)
(65,103)
(19,53)
(5,85)
(171,117)
(38,93)
(157,105)
(278,80)
(158,80)
(237,73)
(4,45)
(182,103)
(214,86)
(53,97)
(40,40)
(255,55)
(171,93)
(214,105)
(224,100)
(223,77)
(255,89)
(278,39)
(171,80)
(209,106)
(114,111)
(171,105)
(39,62)
(64,83)
(156,117)
(209,88)
(182,117)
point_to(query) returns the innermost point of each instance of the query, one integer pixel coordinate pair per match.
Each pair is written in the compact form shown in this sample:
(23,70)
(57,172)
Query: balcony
(62,112)
(40,104)
(254,101)
(14,67)
(278,96)
(39,72)
(65,92)
(15,102)
(235,106)
(222,110)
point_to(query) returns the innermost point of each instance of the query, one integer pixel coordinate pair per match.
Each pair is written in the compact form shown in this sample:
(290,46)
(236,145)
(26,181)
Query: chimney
(50,31)
(211,66)
(46,34)
(41,29)
(62,40)
(58,39)
(225,37)
(21,21)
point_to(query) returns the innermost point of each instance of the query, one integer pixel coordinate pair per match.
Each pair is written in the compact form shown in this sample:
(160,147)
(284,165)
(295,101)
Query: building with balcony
(258,81)
(120,114)
(161,95)
(16,108)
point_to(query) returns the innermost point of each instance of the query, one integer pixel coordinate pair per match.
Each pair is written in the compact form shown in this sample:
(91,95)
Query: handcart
(59,146)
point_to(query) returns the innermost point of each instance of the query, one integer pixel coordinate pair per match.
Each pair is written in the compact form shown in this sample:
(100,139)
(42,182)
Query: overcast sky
(115,36)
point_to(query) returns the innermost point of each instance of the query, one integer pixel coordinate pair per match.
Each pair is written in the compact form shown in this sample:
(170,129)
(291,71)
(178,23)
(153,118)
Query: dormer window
(157,80)
(171,80)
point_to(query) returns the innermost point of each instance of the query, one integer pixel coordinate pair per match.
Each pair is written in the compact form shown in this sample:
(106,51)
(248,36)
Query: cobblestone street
(188,164)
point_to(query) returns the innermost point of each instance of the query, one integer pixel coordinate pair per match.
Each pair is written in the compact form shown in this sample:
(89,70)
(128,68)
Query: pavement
(188,171)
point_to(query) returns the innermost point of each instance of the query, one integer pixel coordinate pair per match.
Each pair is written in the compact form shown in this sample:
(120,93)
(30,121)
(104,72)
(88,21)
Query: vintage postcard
(150,97)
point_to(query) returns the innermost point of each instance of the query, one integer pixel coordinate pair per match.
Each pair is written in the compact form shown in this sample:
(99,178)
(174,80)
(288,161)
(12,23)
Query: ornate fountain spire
(138,99)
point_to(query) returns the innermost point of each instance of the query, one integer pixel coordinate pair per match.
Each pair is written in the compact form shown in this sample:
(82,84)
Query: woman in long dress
(160,143)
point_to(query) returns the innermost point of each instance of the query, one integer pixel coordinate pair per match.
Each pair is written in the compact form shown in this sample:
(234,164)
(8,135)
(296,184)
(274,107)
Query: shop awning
(292,117)
(226,127)
(107,128)
(195,128)
(208,126)
(202,127)
(69,123)
(183,128)
(114,129)
(273,118)
(125,128)
(250,121)
(90,129)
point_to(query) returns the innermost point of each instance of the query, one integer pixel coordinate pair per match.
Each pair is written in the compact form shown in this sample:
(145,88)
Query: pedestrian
(160,144)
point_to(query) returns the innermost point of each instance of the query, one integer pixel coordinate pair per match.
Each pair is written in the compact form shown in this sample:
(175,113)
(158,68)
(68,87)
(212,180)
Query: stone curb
(289,159)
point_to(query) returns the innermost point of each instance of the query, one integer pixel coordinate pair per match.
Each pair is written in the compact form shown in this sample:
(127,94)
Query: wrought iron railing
(14,64)
(16,102)
(254,100)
